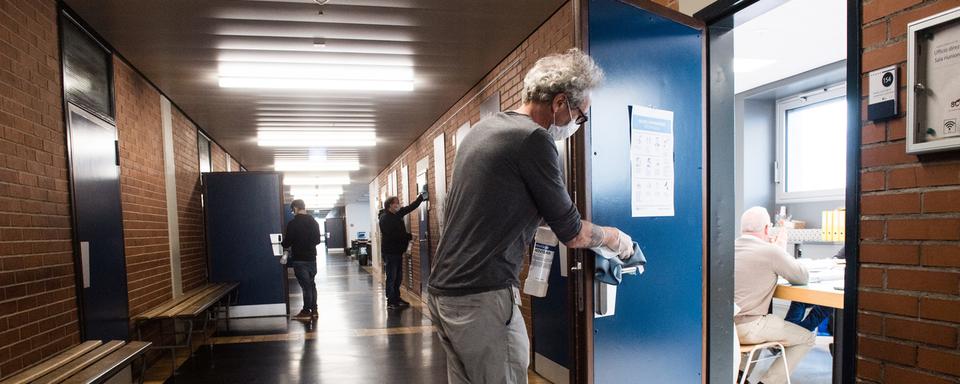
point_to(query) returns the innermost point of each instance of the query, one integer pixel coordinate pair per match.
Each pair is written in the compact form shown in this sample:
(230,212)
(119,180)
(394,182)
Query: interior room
(791,126)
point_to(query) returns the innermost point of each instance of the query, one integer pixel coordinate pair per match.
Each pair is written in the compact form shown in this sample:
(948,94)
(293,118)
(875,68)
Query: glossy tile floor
(355,340)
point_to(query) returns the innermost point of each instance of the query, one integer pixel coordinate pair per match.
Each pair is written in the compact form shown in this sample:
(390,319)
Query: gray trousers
(484,337)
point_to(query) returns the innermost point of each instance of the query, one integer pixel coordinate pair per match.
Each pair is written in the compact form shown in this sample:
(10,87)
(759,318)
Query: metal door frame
(719,12)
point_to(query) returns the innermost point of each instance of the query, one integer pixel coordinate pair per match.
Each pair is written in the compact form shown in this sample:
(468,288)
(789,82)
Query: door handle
(85,262)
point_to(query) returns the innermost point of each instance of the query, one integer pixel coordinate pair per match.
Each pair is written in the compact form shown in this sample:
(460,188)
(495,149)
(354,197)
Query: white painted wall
(358,220)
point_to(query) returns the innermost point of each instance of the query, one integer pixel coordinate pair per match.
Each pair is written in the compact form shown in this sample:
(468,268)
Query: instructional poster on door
(651,162)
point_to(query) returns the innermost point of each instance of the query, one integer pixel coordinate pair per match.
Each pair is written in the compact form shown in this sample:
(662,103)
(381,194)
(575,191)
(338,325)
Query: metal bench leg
(143,367)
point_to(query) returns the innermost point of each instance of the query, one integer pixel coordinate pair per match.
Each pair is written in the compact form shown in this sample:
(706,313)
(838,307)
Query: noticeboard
(933,83)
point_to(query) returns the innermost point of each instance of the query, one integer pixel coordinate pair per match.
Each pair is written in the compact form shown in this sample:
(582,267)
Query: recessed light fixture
(307,126)
(315,190)
(309,166)
(316,180)
(316,139)
(316,76)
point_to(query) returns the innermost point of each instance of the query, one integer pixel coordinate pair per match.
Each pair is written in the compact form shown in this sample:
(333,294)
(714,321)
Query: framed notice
(933,83)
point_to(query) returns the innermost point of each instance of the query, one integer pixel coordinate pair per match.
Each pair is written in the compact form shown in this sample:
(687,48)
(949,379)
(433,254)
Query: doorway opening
(784,94)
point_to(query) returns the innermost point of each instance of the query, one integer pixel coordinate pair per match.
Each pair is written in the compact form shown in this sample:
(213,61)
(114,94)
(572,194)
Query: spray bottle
(546,245)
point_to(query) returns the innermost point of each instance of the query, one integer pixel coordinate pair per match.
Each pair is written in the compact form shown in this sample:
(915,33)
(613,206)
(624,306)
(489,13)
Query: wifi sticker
(950,127)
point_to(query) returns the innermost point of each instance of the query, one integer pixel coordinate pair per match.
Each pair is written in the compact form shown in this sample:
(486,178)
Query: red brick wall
(146,240)
(193,261)
(217,161)
(38,314)
(234,165)
(555,35)
(909,309)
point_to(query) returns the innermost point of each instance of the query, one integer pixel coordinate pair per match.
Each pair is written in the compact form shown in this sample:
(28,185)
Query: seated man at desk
(758,262)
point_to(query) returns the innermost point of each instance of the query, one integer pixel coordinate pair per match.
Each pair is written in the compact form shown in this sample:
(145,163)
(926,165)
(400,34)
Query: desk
(822,293)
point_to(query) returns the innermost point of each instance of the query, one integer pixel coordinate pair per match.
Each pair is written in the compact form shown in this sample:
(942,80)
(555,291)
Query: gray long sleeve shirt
(757,264)
(507,177)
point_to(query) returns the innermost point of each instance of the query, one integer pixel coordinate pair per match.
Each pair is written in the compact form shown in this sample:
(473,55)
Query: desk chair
(753,352)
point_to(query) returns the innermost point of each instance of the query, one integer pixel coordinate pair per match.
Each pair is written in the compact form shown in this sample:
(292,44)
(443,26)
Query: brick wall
(193,261)
(909,308)
(218,163)
(234,165)
(555,35)
(38,314)
(143,198)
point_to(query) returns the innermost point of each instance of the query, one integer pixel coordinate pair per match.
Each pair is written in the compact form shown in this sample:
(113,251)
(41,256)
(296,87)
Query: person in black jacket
(302,236)
(394,240)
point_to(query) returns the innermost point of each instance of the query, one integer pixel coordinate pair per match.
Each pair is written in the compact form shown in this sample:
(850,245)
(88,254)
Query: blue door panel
(242,209)
(656,335)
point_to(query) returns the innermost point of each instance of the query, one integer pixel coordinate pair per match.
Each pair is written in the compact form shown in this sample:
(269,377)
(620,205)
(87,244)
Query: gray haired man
(507,179)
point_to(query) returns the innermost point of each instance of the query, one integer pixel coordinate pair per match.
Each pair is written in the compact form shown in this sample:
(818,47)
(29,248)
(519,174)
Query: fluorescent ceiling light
(333,120)
(744,65)
(315,102)
(316,180)
(323,77)
(316,139)
(325,165)
(325,72)
(315,84)
(306,190)
(302,125)
(357,115)
(322,108)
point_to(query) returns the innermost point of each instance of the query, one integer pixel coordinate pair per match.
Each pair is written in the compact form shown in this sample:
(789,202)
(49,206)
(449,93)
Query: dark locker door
(336,232)
(94,169)
(242,209)
(654,64)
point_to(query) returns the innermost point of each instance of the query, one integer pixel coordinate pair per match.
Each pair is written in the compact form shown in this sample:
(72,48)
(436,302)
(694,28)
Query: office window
(812,146)
(203,147)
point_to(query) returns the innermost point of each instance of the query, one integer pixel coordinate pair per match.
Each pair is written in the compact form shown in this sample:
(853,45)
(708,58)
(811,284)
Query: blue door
(241,210)
(653,63)
(94,170)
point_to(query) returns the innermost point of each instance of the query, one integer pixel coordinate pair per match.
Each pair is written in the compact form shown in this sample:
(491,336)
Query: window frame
(831,92)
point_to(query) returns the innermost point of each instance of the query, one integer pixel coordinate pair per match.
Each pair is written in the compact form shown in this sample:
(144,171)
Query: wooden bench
(87,363)
(207,302)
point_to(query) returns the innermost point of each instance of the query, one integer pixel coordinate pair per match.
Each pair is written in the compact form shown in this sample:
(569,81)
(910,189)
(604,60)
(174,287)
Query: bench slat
(79,363)
(208,301)
(172,312)
(51,364)
(110,365)
(165,306)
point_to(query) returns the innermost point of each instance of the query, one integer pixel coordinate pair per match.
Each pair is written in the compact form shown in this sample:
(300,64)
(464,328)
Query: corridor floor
(355,340)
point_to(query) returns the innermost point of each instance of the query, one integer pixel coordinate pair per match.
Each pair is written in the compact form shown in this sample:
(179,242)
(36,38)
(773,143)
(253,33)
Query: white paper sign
(651,162)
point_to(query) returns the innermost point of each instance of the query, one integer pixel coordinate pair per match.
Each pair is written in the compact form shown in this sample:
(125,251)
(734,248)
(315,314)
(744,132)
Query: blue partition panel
(242,209)
(551,318)
(656,335)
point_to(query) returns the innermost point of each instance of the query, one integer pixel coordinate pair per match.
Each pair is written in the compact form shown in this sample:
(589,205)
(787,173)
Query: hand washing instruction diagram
(651,162)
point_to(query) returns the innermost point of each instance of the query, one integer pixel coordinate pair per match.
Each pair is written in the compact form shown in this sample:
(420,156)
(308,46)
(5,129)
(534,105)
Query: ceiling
(183,45)
(792,38)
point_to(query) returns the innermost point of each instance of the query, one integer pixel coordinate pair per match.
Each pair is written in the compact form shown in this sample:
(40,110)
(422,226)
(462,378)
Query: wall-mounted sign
(882,102)
(933,82)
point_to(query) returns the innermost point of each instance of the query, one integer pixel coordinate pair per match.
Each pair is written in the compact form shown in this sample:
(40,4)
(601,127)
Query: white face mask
(562,132)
